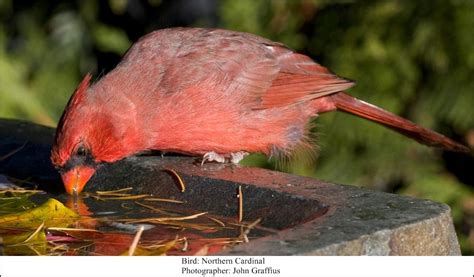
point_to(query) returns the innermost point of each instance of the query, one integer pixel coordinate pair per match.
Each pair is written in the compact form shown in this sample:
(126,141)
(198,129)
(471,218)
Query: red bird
(211,92)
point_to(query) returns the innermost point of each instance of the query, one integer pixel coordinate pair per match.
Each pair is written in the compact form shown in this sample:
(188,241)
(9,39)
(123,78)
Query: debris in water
(133,247)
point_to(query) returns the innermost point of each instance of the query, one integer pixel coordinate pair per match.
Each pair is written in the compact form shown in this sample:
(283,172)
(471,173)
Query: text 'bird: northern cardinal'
(208,92)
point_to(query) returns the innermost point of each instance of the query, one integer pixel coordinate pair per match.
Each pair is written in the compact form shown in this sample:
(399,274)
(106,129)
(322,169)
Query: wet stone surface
(306,216)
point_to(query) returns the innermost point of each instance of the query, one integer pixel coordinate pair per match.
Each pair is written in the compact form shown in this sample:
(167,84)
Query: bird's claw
(212,156)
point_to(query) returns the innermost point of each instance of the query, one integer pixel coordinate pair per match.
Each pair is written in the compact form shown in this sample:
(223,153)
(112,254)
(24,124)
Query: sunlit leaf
(17,237)
(24,242)
(52,213)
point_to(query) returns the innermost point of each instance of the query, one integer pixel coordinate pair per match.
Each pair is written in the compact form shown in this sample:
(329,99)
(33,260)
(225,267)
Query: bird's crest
(80,92)
(77,97)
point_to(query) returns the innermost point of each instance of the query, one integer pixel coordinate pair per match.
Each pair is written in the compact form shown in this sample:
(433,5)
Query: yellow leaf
(53,213)
(25,242)
(23,236)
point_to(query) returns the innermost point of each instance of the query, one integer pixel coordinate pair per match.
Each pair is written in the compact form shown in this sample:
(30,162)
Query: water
(107,224)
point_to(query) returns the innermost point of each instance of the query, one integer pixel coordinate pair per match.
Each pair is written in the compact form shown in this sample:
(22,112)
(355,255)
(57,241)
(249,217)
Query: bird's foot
(212,156)
(235,158)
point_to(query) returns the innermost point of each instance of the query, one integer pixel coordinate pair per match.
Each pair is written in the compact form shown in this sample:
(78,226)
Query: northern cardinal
(211,92)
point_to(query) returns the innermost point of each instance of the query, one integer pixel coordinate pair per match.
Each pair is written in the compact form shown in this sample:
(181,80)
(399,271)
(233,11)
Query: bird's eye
(81,151)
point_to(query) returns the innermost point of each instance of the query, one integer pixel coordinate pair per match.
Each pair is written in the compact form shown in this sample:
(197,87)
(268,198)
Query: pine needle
(176,175)
(245,230)
(73,229)
(114,191)
(185,245)
(180,225)
(164,200)
(128,197)
(241,204)
(20,190)
(136,239)
(114,195)
(154,209)
(220,223)
(13,152)
(60,247)
(30,237)
(162,219)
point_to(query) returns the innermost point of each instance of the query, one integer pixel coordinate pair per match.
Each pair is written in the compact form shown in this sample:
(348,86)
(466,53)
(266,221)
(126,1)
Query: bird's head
(85,138)
(97,127)
(78,169)
(72,152)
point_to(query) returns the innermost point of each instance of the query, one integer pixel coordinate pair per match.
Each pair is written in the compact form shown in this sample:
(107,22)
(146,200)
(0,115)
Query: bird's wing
(223,64)
(249,70)
(300,79)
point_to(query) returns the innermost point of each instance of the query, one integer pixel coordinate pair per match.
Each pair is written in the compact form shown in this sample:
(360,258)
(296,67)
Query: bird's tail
(345,102)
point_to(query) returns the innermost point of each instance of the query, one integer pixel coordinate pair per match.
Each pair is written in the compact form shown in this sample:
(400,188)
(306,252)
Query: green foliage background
(414,58)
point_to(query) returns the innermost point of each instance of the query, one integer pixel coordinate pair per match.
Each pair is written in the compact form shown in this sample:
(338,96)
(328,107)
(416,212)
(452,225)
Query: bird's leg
(236,157)
(212,156)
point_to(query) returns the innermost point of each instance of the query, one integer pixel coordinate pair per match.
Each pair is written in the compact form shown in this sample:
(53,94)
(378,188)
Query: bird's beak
(75,179)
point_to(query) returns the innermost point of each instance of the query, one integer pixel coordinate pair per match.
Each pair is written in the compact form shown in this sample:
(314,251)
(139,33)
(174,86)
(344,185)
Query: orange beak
(75,179)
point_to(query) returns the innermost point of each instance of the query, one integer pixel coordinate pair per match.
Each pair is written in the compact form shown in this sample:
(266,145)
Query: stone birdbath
(304,216)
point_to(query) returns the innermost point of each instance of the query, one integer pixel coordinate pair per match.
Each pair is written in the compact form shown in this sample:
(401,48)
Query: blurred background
(414,58)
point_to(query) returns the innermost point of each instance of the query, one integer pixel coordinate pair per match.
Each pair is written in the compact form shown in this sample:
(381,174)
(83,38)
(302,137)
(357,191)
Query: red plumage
(196,91)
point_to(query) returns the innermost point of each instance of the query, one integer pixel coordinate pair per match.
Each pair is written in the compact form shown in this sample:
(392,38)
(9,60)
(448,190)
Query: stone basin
(308,216)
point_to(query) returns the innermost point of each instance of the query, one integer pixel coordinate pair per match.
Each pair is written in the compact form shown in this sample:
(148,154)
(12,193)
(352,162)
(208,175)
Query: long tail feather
(349,104)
